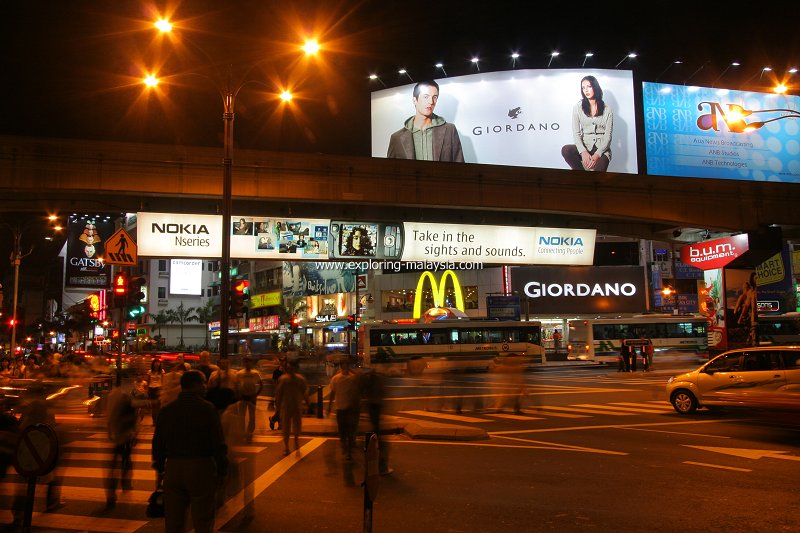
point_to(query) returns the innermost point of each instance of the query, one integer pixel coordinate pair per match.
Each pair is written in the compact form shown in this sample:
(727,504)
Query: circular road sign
(37,451)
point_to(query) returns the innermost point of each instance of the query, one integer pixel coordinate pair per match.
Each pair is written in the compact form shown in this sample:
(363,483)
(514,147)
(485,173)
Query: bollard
(319,401)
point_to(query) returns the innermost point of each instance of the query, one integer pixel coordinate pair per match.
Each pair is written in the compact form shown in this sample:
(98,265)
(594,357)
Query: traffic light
(351,321)
(236,300)
(295,324)
(135,297)
(120,289)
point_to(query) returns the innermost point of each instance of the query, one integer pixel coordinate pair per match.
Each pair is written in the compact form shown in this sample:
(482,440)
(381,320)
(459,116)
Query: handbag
(155,504)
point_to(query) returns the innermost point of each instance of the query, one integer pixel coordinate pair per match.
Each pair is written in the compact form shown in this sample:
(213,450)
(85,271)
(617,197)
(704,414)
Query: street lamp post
(16,258)
(228,93)
(227,204)
(17,255)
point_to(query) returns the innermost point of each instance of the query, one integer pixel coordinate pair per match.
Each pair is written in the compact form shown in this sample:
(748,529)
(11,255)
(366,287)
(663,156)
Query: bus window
(494,335)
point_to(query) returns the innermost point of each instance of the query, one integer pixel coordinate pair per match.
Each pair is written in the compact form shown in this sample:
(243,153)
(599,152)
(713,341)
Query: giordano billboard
(530,118)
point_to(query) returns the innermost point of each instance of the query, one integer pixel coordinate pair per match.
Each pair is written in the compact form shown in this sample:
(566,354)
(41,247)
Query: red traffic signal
(242,286)
(120,284)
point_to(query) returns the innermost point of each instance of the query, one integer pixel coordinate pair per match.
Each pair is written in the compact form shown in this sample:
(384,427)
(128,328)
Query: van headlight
(670,380)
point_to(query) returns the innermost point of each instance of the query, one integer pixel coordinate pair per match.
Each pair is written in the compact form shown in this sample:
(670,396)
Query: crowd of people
(200,416)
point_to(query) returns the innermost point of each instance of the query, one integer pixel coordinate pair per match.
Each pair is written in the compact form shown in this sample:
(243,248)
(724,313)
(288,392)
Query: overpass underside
(108,177)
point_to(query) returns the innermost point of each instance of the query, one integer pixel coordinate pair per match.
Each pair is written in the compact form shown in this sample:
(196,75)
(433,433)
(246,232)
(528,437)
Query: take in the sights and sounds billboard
(261,237)
(721,133)
(530,118)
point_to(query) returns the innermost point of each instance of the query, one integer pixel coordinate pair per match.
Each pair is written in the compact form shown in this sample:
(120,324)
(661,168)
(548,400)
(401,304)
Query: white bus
(673,337)
(448,344)
(779,329)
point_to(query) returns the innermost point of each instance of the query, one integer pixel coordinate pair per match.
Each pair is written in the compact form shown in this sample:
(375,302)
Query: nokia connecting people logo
(438,291)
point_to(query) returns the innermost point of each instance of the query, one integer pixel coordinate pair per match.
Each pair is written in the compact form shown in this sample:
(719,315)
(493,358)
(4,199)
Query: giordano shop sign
(438,290)
(581,290)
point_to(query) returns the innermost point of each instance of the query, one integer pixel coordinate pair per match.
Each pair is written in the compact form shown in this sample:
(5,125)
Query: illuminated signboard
(186,277)
(717,253)
(438,291)
(265,299)
(555,290)
(180,235)
(721,133)
(519,118)
(85,267)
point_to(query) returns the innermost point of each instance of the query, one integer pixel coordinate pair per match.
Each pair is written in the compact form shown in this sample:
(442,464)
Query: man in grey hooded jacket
(426,136)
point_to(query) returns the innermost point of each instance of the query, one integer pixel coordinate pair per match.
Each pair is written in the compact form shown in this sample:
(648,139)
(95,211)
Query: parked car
(766,376)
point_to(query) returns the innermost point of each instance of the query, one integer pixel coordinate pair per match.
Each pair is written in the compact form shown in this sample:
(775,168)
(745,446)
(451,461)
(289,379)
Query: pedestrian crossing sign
(121,249)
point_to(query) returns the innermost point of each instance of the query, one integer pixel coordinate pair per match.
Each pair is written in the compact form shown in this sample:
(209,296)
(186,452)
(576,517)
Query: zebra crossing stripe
(515,417)
(624,408)
(592,411)
(75,493)
(664,407)
(446,416)
(556,415)
(79,523)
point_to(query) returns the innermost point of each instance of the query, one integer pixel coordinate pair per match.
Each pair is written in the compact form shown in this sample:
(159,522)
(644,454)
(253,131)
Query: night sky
(72,68)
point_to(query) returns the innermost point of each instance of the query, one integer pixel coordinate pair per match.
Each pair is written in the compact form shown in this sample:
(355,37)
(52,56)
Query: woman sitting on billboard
(592,125)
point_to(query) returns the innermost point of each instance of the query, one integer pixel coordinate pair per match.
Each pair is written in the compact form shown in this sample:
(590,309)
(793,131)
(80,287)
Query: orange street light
(311,47)
(228,90)
(163,25)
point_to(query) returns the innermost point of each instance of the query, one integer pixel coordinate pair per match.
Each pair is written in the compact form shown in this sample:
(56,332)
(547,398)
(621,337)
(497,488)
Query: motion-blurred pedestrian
(276,376)
(171,385)
(155,379)
(248,381)
(374,391)
(290,397)
(122,426)
(222,386)
(346,394)
(206,366)
(624,356)
(511,388)
(189,451)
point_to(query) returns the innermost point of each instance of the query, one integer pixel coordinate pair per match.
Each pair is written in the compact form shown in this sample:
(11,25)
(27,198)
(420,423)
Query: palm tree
(205,314)
(182,315)
(162,318)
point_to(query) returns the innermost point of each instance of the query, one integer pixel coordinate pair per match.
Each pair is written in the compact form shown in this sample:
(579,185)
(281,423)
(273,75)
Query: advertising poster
(712,306)
(85,248)
(775,288)
(497,244)
(186,277)
(306,279)
(721,133)
(518,118)
(421,244)
(741,309)
(279,238)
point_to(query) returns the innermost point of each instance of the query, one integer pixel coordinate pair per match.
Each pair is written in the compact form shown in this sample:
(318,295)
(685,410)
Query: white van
(766,376)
